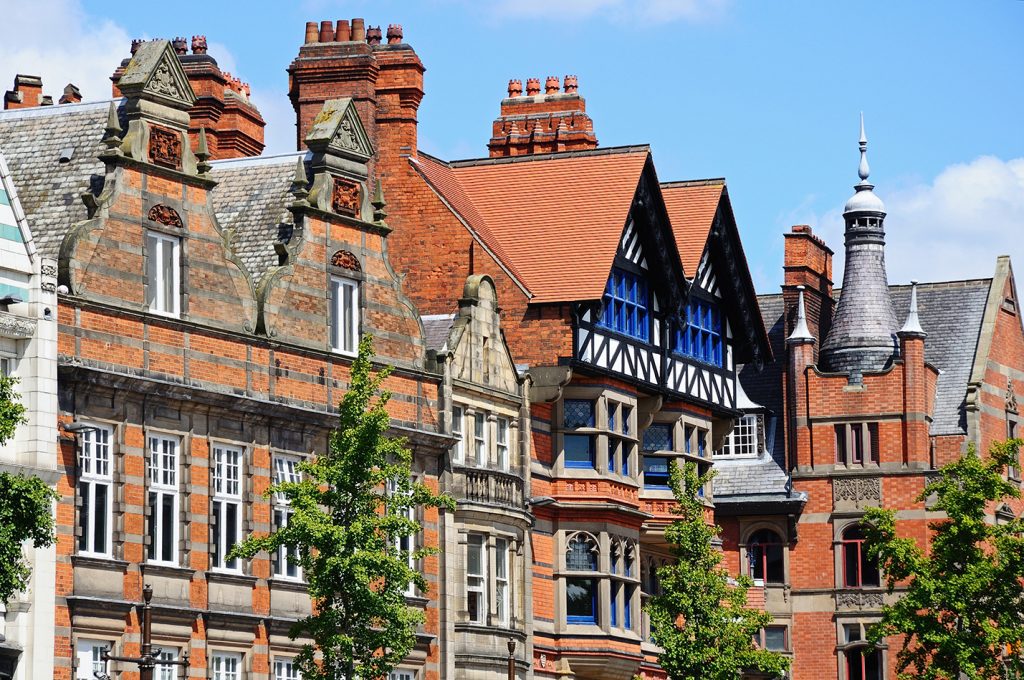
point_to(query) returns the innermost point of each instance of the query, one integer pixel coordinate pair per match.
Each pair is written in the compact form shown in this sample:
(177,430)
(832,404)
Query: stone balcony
(488,487)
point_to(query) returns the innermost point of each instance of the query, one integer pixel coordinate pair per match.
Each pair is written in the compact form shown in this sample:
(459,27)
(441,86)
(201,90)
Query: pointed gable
(154,72)
(339,129)
(691,208)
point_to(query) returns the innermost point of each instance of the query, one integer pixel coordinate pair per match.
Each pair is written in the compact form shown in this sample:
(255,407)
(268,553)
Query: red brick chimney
(72,95)
(808,263)
(542,123)
(384,79)
(27,92)
(234,126)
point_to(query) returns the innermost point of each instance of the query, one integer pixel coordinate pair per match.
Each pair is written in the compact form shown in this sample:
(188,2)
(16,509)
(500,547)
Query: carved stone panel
(164,214)
(165,147)
(856,492)
(857,599)
(346,260)
(345,198)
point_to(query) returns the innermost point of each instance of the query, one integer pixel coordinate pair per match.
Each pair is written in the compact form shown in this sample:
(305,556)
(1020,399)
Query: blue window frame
(579,449)
(581,600)
(701,338)
(616,587)
(628,608)
(656,475)
(626,305)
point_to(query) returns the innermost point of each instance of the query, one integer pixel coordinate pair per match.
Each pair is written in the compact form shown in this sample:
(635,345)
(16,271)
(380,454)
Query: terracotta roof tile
(541,209)
(691,209)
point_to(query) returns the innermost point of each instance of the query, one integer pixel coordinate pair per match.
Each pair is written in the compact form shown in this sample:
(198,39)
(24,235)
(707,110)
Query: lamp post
(148,657)
(511,659)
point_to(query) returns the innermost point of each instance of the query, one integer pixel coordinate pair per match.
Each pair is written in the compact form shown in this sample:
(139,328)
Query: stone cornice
(17,327)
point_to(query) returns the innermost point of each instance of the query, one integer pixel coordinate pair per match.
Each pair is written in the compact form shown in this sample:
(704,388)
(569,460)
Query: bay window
(656,440)
(579,449)
(581,603)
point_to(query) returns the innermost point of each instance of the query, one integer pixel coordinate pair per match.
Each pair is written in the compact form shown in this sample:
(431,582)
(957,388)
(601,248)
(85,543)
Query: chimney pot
(180,45)
(515,88)
(358,30)
(552,85)
(199,44)
(571,85)
(532,87)
(394,34)
(373,35)
(135,45)
(311,32)
(326,31)
(342,32)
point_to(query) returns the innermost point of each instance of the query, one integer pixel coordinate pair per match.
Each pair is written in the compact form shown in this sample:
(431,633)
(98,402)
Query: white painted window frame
(344,319)
(91,474)
(476,582)
(226,666)
(502,443)
(163,474)
(458,431)
(227,491)
(285,470)
(157,274)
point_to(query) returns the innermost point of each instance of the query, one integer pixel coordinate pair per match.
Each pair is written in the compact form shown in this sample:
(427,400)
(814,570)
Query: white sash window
(226,518)
(163,499)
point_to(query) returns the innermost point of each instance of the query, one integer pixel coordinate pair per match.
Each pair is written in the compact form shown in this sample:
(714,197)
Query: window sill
(294,585)
(234,577)
(344,353)
(100,561)
(166,315)
(167,569)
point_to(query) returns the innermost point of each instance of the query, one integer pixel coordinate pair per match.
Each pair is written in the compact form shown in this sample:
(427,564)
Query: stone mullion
(197,500)
(133,548)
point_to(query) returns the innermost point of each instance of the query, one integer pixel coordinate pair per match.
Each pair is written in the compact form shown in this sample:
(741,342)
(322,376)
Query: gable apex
(338,129)
(155,73)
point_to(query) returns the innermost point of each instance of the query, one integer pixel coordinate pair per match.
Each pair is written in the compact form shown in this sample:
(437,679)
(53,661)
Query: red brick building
(868,396)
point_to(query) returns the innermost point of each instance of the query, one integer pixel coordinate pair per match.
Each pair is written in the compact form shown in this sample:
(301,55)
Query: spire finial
(863,171)
(801,333)
(299,182)
(112,131)
(912,326)
(203,153)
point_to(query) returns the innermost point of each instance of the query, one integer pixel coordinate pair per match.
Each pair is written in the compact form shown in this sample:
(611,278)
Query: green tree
(963,601)
(350,511)
(25,504)
(701,619)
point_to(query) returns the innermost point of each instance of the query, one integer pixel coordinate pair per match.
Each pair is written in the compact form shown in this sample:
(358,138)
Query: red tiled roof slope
(560,217)
(691,210)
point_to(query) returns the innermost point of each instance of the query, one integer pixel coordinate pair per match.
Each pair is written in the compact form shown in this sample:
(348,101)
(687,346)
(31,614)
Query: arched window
(863,661)
(581,593)
(859,570)
(764,552)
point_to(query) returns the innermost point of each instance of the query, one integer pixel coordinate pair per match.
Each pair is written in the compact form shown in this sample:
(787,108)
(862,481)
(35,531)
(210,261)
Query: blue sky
(766,94)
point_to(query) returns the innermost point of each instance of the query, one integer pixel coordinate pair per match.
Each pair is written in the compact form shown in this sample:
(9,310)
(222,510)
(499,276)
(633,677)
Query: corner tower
(863,333)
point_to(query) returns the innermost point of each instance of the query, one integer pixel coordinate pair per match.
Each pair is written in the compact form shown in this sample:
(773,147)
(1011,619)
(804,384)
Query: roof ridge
(601,151)
(57,109)
(710,181)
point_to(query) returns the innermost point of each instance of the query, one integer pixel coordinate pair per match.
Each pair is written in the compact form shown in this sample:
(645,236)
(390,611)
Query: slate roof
(691,210)
(251,197)
(540,207)
(436,328)
(951,313)
(50,191)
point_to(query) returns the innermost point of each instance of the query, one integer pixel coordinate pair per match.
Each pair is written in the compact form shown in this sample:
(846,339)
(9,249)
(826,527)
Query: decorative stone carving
(164,81)
(856,599)
(1011,397)
(49,278)
(346,260)
(164,214)
(345,198)
(16,327)
(857,490)
(165,147)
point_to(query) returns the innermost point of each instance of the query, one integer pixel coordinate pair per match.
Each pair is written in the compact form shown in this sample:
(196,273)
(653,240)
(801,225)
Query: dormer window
(625,305)
(701,338)
(346,273)
(163,273)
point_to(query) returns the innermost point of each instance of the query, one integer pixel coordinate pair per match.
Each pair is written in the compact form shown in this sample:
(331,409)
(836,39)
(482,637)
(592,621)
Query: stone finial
(532,87)
(203,153)
(373,35)
(801,333)
(912,326)
(135,45)
(300,181)
(394,34)
(312,33)
(180,46)
(571,85)
(515,88)
(199,44)
(112,131)
(552,85)
(342,31)
(379,204)
(863,171)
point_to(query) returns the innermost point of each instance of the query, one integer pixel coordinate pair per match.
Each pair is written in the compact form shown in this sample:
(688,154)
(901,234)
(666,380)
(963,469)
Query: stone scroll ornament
(346,260)
(164,214)
(345,198)
(165,147)
(856,489)
(859,600)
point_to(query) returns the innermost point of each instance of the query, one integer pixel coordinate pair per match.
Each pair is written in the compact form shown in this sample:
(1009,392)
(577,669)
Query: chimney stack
(542,123)
(27,93)
(72,95)
(808,265)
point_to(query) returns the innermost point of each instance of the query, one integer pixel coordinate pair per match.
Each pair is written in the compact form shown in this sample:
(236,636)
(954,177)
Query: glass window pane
(658,437)
(101,511)
(578,413)
(579,450)
(581,600)
(775,638)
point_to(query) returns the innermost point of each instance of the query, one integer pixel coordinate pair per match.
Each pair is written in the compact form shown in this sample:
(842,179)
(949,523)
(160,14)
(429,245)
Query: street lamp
(148,658)
(511,659)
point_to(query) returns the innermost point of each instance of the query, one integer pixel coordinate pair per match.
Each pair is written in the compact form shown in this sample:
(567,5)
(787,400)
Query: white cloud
(57,41)
(656,11)
(951,228)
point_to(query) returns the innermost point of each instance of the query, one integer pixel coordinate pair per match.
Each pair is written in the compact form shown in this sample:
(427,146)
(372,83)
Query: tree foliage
(349,512)
(25,504)
(963,603)
(701,619)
